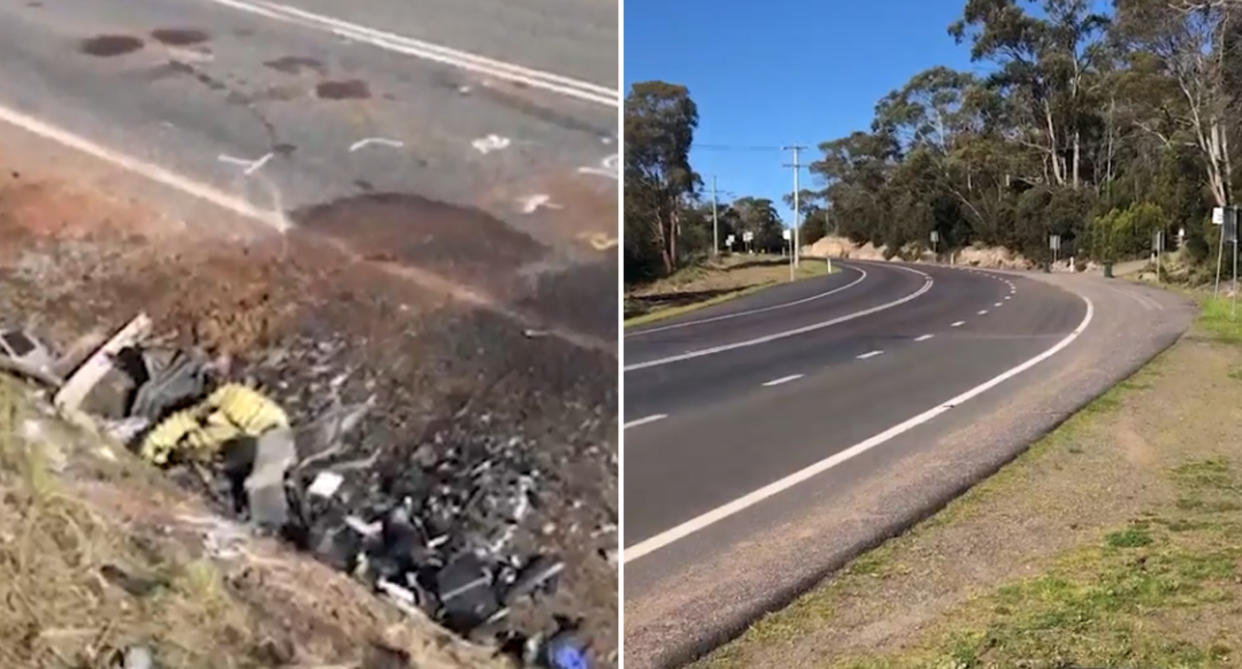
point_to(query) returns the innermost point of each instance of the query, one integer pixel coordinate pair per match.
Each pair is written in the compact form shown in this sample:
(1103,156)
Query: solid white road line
(927,284)
(548,81)
(146,169)
(924,337)
(870,354)
(748,312)
(783,379)
(718,514)
(642,421)
(957,324)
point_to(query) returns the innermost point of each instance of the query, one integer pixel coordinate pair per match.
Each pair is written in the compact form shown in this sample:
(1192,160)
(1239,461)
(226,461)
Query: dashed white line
(997,304)
(1008,297)
(719,513)
(643,421)
(783,379)
(957,324)
(924,337)
(927,284)
(982,312)
(870,354)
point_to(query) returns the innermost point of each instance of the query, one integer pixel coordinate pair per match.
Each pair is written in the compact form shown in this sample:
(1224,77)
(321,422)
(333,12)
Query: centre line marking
(958,324)
(997,304)
(642,421)
(719,513)
(983,312)
(547,81)
(924,337)
(783,379)
(927,284)
(870,354)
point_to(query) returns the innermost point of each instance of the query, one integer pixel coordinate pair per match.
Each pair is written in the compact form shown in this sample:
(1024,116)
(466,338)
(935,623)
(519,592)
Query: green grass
(1218,319)
(669,312)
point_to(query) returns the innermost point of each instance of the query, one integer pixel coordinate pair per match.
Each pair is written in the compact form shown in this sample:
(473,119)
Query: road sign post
(792,261)
(1158,246)
(1218,218)
(1054,243)
(935,238)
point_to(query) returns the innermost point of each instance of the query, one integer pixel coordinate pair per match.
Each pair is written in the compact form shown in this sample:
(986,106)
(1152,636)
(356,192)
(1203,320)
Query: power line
(733,147)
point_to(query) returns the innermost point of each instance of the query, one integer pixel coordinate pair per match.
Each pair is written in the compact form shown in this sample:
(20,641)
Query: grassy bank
(1114,541)
(711,282)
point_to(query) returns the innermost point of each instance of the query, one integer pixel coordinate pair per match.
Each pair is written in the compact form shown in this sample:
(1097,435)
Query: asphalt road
(743,422)
(476,112)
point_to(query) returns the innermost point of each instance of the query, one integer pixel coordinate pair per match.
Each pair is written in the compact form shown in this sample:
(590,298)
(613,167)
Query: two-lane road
(755,415)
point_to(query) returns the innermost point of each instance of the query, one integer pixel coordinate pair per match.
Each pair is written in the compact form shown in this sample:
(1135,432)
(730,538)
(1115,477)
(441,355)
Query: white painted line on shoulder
(719,513)
(643,421)
(783,379)
(547,81)
(957,324)
(927,284)
(870,354)
(924,337)
(862,274)
(144,168)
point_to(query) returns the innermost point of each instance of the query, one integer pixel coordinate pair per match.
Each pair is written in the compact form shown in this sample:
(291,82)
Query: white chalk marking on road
(486,145)
(234,161)
(783,379)
(870,354)
(547,81)
(643,421)
(924,337)
(958,324)
(258,164)
(714,516)
(927,284)
(146,169)
(383,141)
(982,312)
(532,202)
(609,168)
(862,275)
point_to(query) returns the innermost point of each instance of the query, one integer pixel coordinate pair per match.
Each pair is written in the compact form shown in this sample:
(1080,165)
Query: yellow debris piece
(231,411)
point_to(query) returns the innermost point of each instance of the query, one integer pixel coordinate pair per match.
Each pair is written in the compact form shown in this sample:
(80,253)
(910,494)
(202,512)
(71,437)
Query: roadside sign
(1230,229)
(1157,242)
(1054,242)
(935,236)
(1218,215)
(748,236)
(785,234)
(729,240)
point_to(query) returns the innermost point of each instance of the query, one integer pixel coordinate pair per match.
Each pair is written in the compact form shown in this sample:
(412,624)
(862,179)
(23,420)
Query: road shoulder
(675,617)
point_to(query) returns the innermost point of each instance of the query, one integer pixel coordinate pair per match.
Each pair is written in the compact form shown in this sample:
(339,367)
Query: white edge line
(141,167)
(869,354)
(642,421)
(433,52)
(927,284)
(863,275)
(924,337)
(704,520)
(783,379)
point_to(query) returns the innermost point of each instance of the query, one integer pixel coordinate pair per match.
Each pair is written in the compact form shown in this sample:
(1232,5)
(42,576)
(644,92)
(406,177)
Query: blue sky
(778,72)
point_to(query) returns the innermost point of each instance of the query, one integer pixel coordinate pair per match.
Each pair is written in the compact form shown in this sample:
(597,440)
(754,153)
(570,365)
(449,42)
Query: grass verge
(709,283)
(1114,541)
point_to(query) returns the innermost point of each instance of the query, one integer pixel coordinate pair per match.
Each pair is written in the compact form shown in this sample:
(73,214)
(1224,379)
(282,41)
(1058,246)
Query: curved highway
(754,414)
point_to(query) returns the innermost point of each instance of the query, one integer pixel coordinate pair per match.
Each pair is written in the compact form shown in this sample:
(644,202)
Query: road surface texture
(416,201)
(771,439)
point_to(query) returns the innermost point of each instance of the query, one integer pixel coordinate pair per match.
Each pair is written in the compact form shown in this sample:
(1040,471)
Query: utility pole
(793,261)
(715,227)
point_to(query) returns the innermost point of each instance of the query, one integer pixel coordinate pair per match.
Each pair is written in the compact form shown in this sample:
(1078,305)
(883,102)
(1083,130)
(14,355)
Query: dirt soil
(1112,542)
(327,313)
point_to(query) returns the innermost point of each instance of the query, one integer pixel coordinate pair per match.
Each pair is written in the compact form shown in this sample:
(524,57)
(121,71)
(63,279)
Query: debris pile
(440,524)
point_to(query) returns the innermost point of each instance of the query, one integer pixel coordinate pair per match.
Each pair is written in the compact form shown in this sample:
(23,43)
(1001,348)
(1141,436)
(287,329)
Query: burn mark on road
(179,36)
(349,89)
(107,46)
(296,65)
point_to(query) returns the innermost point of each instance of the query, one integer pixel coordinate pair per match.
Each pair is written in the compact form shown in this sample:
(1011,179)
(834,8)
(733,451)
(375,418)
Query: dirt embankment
(976,255)
(314,318)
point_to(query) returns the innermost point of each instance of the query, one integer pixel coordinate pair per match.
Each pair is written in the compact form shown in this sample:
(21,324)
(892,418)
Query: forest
(1102,128)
